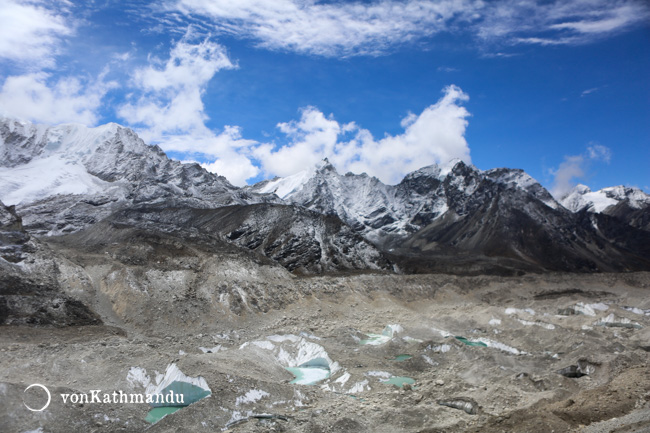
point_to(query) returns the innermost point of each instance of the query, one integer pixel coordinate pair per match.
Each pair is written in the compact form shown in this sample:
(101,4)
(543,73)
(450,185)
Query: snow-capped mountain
(363,202)
(377,210)
(626,203)
(581,197)
(37,161)
(69,178)
(94,182)
(457,218)
(70,175)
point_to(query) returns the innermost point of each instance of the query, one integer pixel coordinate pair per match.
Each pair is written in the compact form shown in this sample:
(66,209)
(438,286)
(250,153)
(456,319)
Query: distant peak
(432,170)
(458,167)
(580,189)
(325,165)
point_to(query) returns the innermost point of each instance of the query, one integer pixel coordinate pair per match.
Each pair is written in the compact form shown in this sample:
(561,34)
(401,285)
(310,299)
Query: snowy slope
(36,161)
(377,210)
(68,176)
(519,179)
(581,197)
(285,186)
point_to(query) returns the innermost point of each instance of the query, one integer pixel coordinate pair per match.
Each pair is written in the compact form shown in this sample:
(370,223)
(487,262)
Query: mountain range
(86,184)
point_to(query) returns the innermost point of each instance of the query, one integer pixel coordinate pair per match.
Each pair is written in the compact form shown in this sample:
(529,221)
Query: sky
(253,89)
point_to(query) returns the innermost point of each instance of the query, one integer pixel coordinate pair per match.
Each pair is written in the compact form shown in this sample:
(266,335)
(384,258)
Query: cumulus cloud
(30,31)
(228,151)
(434,136)
(166,108)
(373,27)
(168,94)
(41,98)
(234,167)
(575,167)
(31,36)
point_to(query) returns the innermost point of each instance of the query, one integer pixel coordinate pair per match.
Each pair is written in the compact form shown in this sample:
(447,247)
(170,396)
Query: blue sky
(253,89)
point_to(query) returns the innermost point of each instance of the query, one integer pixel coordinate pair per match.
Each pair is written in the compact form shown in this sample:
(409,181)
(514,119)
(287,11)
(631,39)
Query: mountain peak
(325,165)
(581,197)
(432,170)
(580,189)
(107,166)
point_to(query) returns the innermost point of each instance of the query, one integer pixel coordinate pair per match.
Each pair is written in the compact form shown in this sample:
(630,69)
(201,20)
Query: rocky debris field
(369,352)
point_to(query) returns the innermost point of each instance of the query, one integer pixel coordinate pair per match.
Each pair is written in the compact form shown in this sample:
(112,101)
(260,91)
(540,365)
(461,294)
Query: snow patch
(590,309)
(359,387)
(442,332)
(343,378)
(638,311)
(442,348)
(612,320)
(501,346)
(138,376)
(284,186)
(174,374)
(511,311)
(380,374)
(252,396)
(214,349)
(292,350)
(537,323)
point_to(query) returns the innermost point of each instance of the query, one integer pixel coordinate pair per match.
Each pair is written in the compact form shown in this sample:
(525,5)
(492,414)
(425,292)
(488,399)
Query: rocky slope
(300,240)
(30,291)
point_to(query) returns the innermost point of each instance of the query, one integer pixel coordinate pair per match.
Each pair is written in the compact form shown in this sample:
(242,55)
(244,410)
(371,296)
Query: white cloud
(559,22)
(373,27)
(228,151)
(588,91)
(327,28)
(434,136)
(236,168)
(166,108)
(598,152)
(30,32)
(40,98)
(575,167)
(602,21)
(168,94)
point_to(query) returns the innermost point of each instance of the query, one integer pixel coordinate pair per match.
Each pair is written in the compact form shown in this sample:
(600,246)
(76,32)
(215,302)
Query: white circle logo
(49,397)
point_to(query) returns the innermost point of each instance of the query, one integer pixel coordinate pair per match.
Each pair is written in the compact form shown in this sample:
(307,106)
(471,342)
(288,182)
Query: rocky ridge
(452,218)
(456,218)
